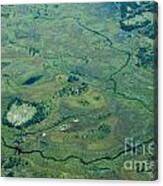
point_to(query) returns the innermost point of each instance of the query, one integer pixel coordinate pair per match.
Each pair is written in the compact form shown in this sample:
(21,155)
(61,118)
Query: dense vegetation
(78,79)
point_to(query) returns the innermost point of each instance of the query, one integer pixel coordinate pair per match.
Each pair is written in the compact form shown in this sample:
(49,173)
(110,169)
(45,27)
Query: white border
(59,1)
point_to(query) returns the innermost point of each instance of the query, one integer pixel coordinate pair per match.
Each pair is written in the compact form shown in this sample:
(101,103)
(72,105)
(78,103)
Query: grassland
(86,75)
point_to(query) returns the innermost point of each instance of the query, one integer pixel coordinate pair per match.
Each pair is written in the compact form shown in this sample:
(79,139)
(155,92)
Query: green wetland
(77,81)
